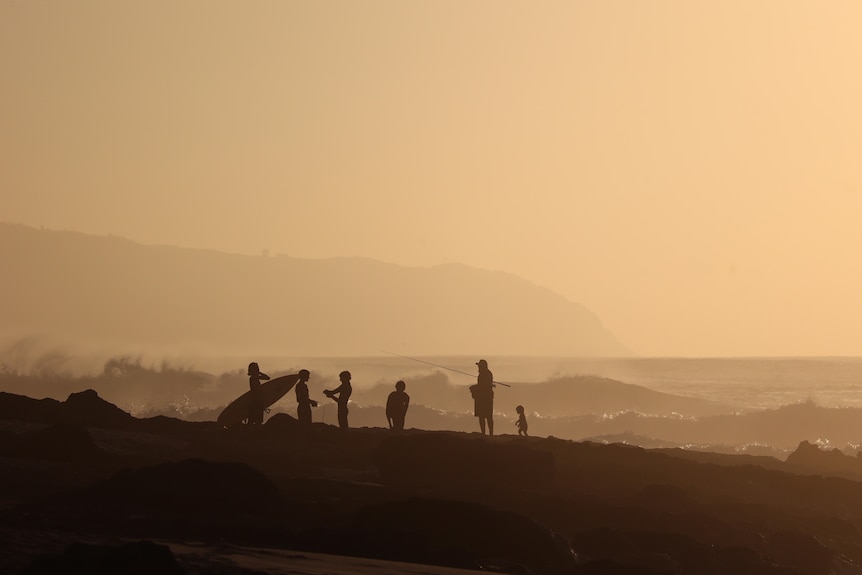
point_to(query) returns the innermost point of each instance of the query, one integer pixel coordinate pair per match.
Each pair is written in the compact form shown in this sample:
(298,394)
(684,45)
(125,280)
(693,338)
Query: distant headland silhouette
(169,296)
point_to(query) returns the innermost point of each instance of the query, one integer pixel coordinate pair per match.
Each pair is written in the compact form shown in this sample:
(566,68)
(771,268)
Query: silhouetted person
(483,397)
(522,421)
(303,402)
(343,392)
(255,407)
(396,407)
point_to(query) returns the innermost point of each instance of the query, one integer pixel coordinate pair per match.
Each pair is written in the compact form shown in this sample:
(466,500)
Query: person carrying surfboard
(343,392)
(265,394)
(256,407)
(303,402)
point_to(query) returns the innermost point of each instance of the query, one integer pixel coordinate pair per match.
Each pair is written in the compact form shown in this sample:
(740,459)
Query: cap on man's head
(481,362)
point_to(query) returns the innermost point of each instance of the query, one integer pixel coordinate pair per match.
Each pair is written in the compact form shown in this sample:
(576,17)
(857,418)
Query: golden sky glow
(690,171)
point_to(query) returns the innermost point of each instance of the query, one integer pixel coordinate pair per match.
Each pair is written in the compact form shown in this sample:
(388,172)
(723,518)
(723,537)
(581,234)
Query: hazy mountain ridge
(113,289)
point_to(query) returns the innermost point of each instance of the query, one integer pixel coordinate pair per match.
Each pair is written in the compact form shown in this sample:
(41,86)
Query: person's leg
(490,426)
(482,425)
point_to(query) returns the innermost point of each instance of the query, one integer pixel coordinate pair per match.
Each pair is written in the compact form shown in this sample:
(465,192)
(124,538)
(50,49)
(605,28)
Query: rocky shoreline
(87,486)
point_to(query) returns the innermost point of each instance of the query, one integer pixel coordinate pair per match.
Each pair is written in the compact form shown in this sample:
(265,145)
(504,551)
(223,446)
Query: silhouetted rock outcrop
(607,551)
(192,486)
(810,458)
(64,441)
(22,408)
(136,558)
(281,423)
(87,408)
(445,532)
(83,408)
(801,551)
(507,503)
(446,458)
(164,425)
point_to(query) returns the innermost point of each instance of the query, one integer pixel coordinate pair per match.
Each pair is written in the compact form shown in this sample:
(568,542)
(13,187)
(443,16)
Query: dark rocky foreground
(87,488)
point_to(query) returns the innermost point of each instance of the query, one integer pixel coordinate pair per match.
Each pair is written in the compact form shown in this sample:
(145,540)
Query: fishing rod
(443,367)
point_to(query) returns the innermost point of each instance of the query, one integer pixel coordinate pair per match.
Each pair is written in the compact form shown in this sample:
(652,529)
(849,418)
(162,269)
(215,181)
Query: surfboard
(270,392)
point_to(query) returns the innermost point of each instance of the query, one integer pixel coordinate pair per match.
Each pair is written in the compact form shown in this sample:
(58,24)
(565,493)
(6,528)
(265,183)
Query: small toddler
(522,421)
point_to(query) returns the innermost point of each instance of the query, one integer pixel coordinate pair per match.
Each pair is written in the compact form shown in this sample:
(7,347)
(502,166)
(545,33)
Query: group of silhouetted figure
(396,404)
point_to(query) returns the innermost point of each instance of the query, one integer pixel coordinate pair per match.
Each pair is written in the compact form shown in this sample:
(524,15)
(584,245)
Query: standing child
(522,421)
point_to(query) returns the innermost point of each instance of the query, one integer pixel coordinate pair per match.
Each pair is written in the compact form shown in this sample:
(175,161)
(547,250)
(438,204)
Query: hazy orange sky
(690,171)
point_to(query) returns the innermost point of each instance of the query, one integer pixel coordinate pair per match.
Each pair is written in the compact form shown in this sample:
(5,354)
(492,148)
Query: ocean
(743,383)
(746,383)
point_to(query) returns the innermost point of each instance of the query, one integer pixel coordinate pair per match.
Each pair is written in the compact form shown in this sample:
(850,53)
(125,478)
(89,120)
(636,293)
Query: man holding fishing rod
(483,397)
